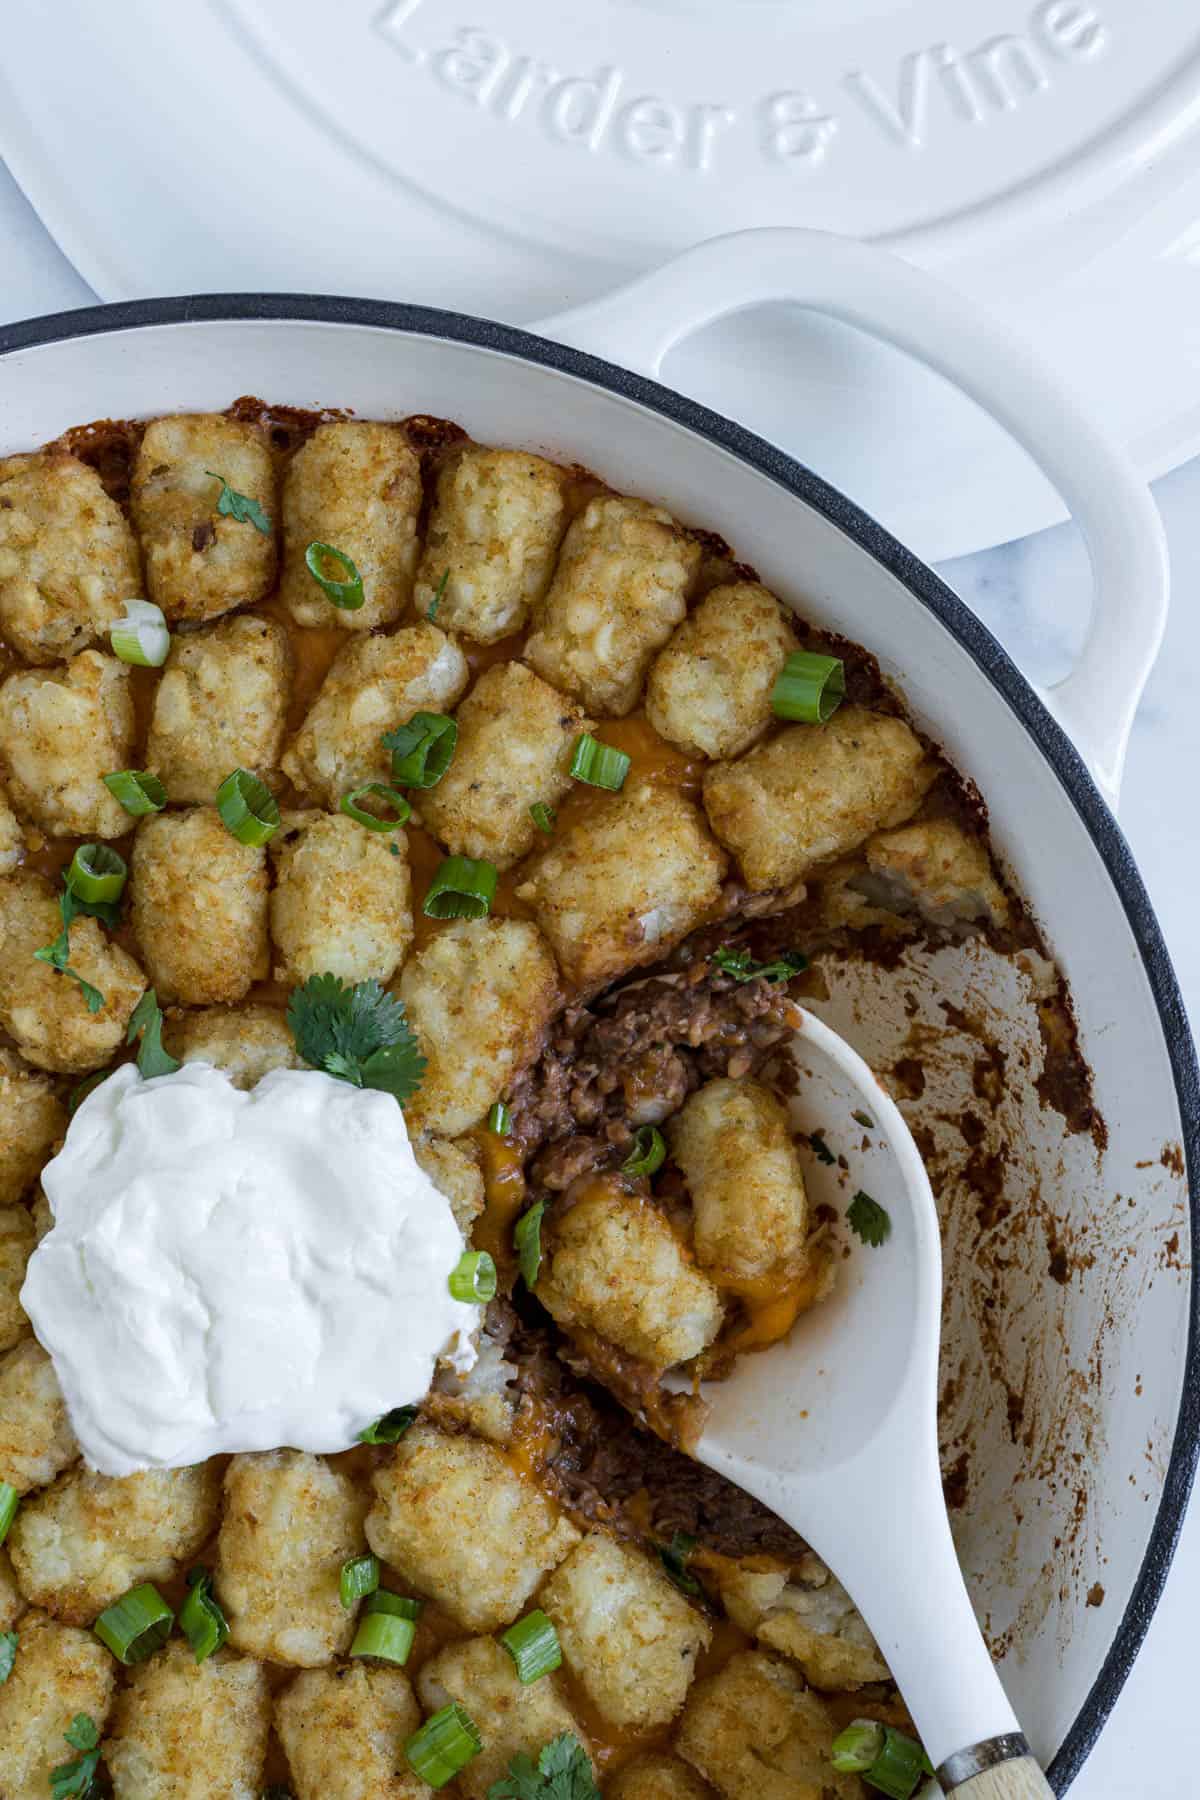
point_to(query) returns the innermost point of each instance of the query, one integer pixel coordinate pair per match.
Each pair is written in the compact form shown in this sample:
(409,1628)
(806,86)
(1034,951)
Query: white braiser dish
(512,158)
(1102,1362)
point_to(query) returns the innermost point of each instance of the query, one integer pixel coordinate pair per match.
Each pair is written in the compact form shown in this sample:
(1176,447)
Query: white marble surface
(1034,596)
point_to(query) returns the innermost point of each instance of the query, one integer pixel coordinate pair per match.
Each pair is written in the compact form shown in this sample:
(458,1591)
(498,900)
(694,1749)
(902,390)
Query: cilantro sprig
(58,954)
(146,1021)
(741,966)
(562,1772)
(359,1034)
(78,1777)
(240,506)
(870,1221)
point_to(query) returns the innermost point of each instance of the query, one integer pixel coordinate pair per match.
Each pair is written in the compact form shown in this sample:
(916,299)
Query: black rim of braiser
(989,656)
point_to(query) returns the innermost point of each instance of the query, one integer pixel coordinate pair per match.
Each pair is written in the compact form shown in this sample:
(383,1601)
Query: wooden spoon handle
(1020,1779)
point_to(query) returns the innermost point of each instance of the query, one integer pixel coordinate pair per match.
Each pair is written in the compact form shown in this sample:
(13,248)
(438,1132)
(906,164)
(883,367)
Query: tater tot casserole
(301,712)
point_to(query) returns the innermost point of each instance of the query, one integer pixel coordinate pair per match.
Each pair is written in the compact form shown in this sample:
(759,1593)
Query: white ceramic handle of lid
(638,324)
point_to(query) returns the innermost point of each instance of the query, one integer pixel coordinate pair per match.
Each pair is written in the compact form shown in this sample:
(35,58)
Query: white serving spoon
(835,1430)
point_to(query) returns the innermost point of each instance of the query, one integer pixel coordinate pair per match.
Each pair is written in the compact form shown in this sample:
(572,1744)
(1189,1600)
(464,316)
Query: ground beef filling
(631,1058)
(628,1058)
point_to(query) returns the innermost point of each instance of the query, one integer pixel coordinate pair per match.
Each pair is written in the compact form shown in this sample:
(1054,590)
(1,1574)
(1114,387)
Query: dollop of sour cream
(237,1270)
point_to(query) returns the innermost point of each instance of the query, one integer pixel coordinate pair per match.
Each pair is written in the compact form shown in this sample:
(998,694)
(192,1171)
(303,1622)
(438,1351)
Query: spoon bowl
(835,1428)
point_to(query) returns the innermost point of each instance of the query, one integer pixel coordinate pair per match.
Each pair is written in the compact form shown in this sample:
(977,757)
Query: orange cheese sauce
(504,1197)
(772,1306)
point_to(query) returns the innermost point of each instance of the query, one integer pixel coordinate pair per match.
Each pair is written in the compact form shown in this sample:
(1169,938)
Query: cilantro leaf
(820,1148)
(741,966)
(868,1219)
(390,1428)
(562,1772)
(358,1034)
(58,953)
(674,1558)
(146,1019)
(78,1777)
(8,1654)
(240,506)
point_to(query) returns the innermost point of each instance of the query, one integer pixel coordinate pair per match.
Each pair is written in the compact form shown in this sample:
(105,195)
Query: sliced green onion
(527,1241)
(400,1606)
(201,1620)
(359,1577)
(474,1279)
(462,889)
(240,506)
(674,1558)
(346,594)
(380,791)
(856,1748)
(648,1154)
(600,765)
(141,637)
(8,1654)
(9,1502)
(499,1119)
(138,790)
(809,687)
(96,874)
(897,1766)
(533,1645)
(439,590)
(248,808)
(422,750)
(543,817)
(136,1625)
(390,1428)
(446,1743)
(386,1630)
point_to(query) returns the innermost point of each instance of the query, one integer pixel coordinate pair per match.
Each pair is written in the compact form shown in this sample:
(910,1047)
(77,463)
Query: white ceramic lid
(513,157)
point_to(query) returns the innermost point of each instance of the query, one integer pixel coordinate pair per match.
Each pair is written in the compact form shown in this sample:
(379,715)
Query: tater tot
(68,560)
(36,1440)
(219,706)
(655,1777)
(342,901)
(808,1616)
(12,838)
(512,1717)
(17,1238)
(937,870)
(355,486)
(45,1011)
(733,1142)
(619,590)
(709,690)
(61,730)
(374,685)
(244,1042)
(515,738)
(199,907)
(623,883)
(32,1119)
(815,792)
(454,1518)
(626,1632)
(756,1733)
(89,1538)
(199,561)
(12,1600)
(479,996)
(483,1400)
(453,1167)
(59,1672)
(494,532)
(343,1732)
(184,1730)
(291,1521)
(612,1264)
